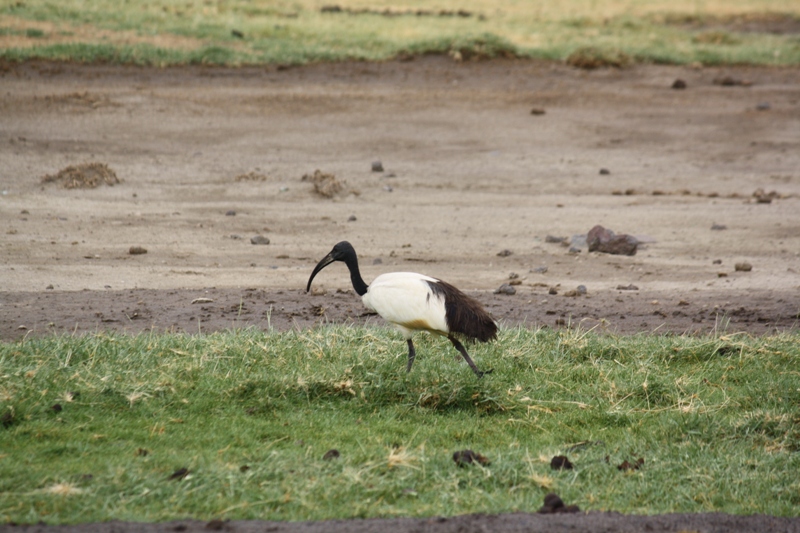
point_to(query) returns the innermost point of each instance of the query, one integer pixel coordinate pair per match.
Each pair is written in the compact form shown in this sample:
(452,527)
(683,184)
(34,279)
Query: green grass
(251,414)
(237,32)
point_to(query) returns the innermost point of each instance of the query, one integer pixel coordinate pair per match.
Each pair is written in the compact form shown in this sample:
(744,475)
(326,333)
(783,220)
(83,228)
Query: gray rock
(377,166)
(259,239)
(505,288)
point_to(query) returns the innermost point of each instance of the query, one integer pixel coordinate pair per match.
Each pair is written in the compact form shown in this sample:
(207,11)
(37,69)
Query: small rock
(377,166)
(604,172)
(604,240)
(377,261)
(630,287)
(351,218)
(560,462)
(513,275)
(137,250)
(537,111)
(722,274)
(554,239)
(259,239)
(467,457)
(743,267)
(230,213)
(718,227)
(505,253)
(763,106)
(50,287)
(574,250)
(540,270)
(716,262)
(505,288)
(235,237)
(678,84)
(552,290)
(331,454)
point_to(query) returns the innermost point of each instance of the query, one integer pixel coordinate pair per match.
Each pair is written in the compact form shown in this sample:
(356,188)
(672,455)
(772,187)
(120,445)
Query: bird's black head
(343,251)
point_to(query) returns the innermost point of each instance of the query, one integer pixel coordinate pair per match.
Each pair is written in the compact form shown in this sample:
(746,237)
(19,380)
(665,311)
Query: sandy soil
(210,157)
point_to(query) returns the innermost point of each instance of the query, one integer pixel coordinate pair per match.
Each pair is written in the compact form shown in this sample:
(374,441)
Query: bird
(415,302)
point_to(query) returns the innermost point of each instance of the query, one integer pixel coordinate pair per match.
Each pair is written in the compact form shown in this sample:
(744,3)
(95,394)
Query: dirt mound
(83,176)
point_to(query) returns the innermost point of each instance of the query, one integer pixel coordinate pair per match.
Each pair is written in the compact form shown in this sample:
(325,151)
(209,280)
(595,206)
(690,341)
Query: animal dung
(331,455)
(560,462)
(467,457)
(83,176)
(627,465)
(179,473)
(325,185)
(554,504)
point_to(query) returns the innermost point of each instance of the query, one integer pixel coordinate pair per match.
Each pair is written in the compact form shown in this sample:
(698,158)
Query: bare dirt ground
(481,162)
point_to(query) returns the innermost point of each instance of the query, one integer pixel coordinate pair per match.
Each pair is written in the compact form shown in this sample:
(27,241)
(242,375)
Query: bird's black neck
(355,275)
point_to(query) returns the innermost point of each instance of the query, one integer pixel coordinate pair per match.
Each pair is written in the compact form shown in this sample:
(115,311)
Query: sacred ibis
(414,302)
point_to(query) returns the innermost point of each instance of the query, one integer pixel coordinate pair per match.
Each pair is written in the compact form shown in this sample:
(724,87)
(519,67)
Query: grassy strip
(93,427)
(238,32)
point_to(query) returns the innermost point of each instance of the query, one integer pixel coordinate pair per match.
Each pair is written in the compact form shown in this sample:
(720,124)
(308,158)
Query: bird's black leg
(411,354)
(470,362)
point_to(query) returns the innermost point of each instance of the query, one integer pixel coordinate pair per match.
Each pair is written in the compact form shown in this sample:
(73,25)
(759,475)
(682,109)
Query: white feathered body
(407,300)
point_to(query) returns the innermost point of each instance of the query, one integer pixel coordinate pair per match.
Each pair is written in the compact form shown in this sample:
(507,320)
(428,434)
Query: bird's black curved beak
(327,260)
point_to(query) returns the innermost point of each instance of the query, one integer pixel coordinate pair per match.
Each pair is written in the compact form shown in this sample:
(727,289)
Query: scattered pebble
(678,84)
(718,227)
(513,275)
(554,239)
(505,253)
(137,250)
(630,287)
(377,166)
(537,111)
(259,239)
(377,261)
(331,454)
(581,289)
(560,462)
(505,288)
(230,213)
(351,218)
(50,287)
(574,250)
(743,267)
(763,106)
(235,237)
(467,457)
(539,270)
(604,172)
(722,274)
(552,290)
(716,262)
(554,504)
